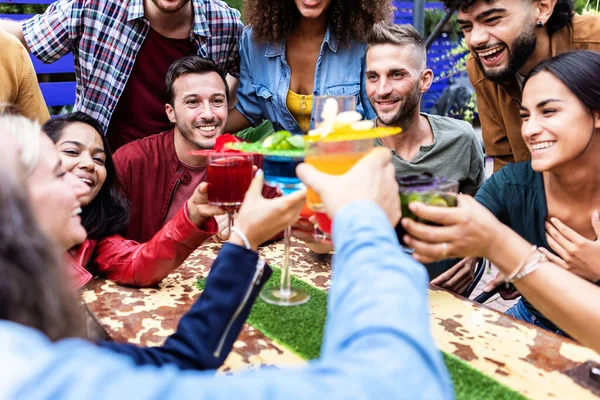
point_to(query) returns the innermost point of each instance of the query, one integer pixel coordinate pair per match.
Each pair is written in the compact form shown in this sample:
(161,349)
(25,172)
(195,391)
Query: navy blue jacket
(207,331)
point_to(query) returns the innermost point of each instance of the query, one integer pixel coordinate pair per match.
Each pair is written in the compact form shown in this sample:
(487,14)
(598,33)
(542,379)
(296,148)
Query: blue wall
(437,56)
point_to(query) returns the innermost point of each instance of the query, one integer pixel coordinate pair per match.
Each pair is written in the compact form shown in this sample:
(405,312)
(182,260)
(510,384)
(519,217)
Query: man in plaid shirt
(122,51)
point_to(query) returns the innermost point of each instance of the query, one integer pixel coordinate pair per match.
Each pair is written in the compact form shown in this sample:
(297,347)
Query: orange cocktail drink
(334,158)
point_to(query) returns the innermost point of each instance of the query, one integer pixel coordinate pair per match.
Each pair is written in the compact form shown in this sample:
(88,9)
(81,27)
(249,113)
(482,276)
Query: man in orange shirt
(507,38)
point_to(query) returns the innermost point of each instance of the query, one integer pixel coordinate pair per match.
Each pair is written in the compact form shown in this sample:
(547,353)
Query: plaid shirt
(106,35)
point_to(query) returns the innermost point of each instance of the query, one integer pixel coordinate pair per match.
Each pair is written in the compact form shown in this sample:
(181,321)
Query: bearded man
(507,38)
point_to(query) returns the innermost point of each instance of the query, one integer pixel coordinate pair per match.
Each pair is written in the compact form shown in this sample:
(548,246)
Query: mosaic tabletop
(519,355)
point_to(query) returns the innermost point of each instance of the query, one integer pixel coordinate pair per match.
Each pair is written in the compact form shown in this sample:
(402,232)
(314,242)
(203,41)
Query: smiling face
(199,109)
(557,127)
(55,198)
(501,35)
(312,9)
(82,154)
(395,81)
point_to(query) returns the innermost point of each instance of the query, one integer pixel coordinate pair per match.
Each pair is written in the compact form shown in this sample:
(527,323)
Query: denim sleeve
(206,333)
(248,103)
(377,346)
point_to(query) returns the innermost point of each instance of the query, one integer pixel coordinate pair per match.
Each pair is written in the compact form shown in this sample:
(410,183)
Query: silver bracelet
(238,232)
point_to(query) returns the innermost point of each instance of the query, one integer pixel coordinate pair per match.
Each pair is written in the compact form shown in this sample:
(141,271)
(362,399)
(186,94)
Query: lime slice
(413,197)
(297,142)
(438,201)
(272,141)
(284,145)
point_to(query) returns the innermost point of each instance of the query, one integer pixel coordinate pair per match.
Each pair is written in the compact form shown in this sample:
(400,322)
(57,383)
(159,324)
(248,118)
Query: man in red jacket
(157,173)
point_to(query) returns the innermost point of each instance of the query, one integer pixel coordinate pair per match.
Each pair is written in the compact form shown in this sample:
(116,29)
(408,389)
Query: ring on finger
(444,249)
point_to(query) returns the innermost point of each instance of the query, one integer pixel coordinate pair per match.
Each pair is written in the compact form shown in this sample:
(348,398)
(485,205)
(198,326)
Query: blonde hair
(27,133)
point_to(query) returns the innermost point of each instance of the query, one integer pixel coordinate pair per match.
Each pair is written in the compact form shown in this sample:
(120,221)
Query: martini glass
(228,177)
(280,172)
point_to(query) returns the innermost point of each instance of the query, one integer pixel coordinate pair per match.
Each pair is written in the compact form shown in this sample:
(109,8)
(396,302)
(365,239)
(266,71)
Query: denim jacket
(265,79)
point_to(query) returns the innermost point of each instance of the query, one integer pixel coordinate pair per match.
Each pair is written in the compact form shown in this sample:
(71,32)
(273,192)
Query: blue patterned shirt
(105,37)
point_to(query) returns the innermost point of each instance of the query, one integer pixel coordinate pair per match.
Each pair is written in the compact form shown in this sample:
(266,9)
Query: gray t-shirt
(456,153)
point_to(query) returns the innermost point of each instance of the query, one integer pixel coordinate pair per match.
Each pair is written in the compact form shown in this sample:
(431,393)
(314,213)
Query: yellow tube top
(300,106)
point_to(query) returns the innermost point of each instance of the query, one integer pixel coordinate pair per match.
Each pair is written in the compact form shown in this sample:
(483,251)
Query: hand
(223,229)
(469,230)
(199,210)
(372,178)
(575,252)
(506,294)
(458,278)
(260,219)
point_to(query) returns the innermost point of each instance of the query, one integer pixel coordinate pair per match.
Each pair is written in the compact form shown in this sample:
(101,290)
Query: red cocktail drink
(324,223)
(228,179)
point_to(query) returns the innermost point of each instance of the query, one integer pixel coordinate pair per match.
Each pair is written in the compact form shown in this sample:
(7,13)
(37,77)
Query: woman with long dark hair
(84,152)
(551,201)
(293,50)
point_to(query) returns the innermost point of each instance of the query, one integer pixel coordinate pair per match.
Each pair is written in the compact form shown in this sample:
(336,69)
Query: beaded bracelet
(521,265)
(242,236)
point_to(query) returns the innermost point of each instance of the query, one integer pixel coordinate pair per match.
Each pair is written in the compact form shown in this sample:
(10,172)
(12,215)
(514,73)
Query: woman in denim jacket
(293,50)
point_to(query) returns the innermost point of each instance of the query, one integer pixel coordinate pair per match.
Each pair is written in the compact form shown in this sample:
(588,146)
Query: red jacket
(150,171)
(137,264)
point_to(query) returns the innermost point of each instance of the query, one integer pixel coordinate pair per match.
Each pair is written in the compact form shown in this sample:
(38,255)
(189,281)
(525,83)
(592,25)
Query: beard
(405,113)
(171,8)
(520,51)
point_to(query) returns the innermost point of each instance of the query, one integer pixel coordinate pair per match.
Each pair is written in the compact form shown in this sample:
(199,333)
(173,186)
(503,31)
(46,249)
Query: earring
(539,24)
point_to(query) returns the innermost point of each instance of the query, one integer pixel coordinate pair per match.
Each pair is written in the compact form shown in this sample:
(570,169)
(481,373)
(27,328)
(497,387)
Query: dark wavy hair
(579,71)
(274,20)
(33,290)
(561,15)
(108,213)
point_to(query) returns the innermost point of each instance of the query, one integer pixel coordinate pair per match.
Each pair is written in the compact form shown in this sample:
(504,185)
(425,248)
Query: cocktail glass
(334,158)
(280,172)
(228,177)
(428,189)
(344,103)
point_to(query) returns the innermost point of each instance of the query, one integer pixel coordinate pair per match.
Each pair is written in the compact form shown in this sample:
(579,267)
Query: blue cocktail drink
(280,172)
(281,154)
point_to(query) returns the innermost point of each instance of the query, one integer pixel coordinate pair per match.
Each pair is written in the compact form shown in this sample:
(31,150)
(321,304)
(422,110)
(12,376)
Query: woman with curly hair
(293,50)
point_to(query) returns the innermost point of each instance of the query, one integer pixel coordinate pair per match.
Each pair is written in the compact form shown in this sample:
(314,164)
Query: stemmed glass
(229,175)
(280,172)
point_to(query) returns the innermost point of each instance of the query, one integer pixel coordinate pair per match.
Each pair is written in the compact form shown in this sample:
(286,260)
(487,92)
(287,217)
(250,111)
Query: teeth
(542,145)
(491,51)
(207,128)
(86,181)
(76,211)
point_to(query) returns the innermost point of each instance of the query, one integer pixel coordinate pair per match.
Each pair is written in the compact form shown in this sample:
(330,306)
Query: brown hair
(399,35)
(273,20)
(33,290)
